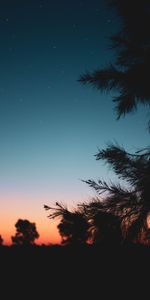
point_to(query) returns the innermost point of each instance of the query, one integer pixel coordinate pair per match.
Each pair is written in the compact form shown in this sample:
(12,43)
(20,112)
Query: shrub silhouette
(104,226)
(85,224)
(73,226)
(26,233)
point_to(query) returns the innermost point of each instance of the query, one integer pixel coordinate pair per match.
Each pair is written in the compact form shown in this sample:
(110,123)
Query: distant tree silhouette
(129,74)
(73,226)
(26,233)
(1,240)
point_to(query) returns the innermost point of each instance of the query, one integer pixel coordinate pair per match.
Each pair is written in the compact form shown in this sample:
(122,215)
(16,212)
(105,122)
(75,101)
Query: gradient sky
(50,125)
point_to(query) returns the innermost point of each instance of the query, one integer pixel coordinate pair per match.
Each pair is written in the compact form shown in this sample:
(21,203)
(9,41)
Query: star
(13,36)
(41,4)
(98,11)
(92,52)
(81,3)
(4,20)
(86,39)
(2,90)
(11,49)
(62,72)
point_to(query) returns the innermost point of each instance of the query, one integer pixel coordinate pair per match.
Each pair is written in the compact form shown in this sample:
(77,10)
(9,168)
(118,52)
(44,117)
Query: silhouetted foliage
(130,204)
(73,226)
(87,224)
(26,233)
(1,240)
(123,211)
(129,73)
(104,226)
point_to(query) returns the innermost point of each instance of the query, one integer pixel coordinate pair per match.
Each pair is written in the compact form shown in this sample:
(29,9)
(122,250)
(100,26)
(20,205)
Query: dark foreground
(74,272)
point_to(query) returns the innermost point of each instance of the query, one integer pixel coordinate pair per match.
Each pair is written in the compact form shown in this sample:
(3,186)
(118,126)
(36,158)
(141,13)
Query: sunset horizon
(51,124)
(74,149)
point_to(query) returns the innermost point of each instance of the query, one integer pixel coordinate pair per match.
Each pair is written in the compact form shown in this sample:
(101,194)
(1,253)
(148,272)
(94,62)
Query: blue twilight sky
(50,125)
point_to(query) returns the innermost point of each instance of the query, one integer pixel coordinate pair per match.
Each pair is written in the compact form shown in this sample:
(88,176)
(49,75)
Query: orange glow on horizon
(48,232)
(15,205)
(32,209)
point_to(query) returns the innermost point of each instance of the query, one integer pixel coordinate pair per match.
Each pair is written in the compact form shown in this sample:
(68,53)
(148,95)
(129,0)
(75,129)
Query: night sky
(50,125)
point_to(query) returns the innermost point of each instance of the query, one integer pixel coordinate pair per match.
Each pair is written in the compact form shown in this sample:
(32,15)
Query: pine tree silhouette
(131,204)
(130,72)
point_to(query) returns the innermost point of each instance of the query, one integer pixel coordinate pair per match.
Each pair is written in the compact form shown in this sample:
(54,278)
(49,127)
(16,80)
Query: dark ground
(74,272)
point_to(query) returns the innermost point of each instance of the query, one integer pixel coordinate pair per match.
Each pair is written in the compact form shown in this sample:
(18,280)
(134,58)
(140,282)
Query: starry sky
(50,125)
